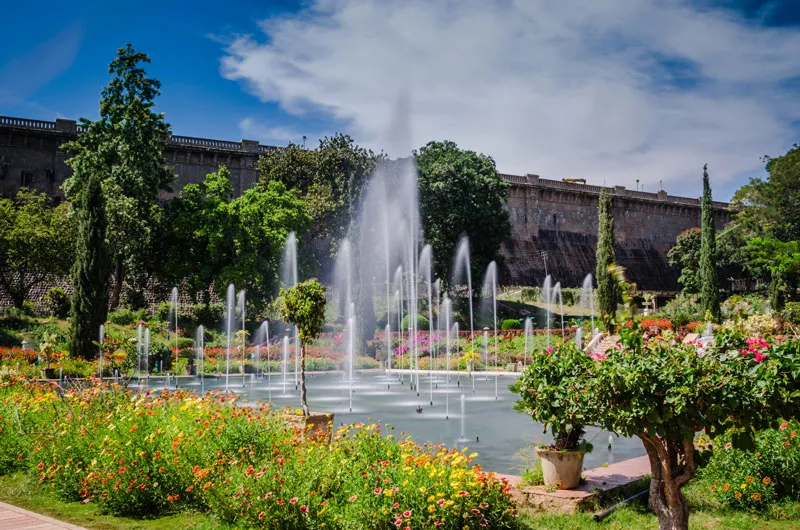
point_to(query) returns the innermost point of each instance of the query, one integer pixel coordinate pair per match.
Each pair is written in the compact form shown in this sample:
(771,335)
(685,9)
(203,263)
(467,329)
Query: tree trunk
(119,271)
(672,465)
(303,399)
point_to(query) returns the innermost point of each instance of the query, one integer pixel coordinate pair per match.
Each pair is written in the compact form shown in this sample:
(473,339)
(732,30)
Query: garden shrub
(752,326)
(682,309)
(753,479)
(126,316)
(530,294)
(510,323)
(147,455)
(56,302)
(791,312)
(422,322)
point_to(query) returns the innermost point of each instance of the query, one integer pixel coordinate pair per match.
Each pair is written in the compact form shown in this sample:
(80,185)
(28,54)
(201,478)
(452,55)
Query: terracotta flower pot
(561,469)
(318,426)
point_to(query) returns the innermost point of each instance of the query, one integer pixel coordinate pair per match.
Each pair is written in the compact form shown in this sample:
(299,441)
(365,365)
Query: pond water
(491,425)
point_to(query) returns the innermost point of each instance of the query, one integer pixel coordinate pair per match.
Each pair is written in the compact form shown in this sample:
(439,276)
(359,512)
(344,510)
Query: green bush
(791,312)
(125,316)
(56,302)
(510,323)
(531,294)
(422,322)
(682,309)
(754,479)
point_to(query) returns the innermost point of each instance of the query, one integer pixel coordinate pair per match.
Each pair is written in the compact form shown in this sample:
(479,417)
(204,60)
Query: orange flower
(726,487)
(173,498)
(737,495)
(756,496)
(766,481)
(749,480)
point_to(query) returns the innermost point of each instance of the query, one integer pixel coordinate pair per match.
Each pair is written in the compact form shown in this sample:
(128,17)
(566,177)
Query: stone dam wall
(554,223)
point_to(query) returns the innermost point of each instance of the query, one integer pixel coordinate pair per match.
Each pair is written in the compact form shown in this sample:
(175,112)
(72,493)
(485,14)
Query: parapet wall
(560,220)
(551,216)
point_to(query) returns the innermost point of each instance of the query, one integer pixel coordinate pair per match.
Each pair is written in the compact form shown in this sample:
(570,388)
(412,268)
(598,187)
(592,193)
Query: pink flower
(760,357)
(353,498)
(784,426)
(304,509)
(598,356)
(377,491)
(618,346)
(293,500)
(398,523)
(549,350)
(407,514)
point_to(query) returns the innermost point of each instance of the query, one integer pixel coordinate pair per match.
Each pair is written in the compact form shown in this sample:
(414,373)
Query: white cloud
(557,88)
(254,130)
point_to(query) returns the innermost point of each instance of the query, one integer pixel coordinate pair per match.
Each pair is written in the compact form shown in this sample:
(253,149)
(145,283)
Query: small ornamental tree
(304,306)
(665,394)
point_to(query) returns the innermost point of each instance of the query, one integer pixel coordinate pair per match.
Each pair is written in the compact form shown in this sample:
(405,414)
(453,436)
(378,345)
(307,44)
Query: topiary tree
(709,283)
(304,306)
(608,295)
(664,394)
(90,272)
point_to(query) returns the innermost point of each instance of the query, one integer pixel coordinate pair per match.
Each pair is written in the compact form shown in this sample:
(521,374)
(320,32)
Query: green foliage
(664,394)
(422,322)
(510,323)
(56,302)
(37,243)
(90,272)
(780,262)
(461,192)
(125,149)
(685,257)
(217,239)
(608,293)
(791,312)
(126,316)
(709,283)
(754,479)
(682,309)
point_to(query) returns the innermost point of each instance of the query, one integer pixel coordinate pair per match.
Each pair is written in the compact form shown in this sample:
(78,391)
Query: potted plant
(304,306)
(48,351)
(562,461)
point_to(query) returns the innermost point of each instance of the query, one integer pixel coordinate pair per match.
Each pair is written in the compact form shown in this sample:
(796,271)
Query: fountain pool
(494,429)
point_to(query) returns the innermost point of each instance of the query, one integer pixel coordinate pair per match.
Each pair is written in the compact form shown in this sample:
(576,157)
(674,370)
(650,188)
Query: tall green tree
(608,291)
(216,239)
(685,257)
(90,272)
(779,263)
(461,192)
(709,283)
(37,243)
(125,147)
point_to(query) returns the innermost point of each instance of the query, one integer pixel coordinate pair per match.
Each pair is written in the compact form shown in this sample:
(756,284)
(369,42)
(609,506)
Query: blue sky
(611,91)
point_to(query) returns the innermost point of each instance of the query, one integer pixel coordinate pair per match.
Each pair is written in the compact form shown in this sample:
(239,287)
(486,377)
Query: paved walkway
(13,518)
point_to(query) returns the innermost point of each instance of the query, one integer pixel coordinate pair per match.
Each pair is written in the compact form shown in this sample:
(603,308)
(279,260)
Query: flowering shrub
(663,395)
(754,325)
(754,479)
(145,455)
(659,323)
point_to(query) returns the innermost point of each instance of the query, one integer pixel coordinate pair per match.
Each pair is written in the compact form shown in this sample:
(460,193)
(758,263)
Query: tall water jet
(240,306)
(579,337)
(351,349)
(463,419)
(462,266)
(547,293)
(139,349)
(444,313)
(102,336)
(147,352)
(490,290)
(388,335)
(528,339)
(426,271)
(557,295)
(172,318)
(265,325)
(200,353)
(285,360)
(289,279)
(230,319)
(587,297)
(398,280)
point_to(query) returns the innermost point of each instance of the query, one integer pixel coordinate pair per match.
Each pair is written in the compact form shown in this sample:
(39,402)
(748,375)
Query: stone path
(596,482)
(13,518)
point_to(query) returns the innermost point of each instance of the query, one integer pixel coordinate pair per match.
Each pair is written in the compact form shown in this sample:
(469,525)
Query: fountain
(139,349)
(289,279)
(102,354)
(547,293)
(230,318)
(240,305)
(490,287)
(528,339)
(351,349)
(147,352)
(463,438)
(285,360)
(579,337)
(557,294)
(173,313)
(445,309)
(587,298)
(200,338)
(461,265)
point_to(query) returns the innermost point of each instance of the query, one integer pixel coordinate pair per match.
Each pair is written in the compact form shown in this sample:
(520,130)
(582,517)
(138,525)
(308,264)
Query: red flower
(304,509)
(784,426)
(760,357)
(377,491)
(353,498)
(261,515)
(407,514)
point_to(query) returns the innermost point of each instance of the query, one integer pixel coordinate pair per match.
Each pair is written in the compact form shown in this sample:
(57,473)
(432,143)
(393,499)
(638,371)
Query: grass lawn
(705,514)
(22,491)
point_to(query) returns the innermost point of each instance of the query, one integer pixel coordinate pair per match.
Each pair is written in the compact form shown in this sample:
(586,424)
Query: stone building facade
(554,223)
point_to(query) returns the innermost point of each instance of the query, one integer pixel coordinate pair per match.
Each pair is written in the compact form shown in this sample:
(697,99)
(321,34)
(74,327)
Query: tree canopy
(124,148)
(608,292)
(461,192)
(37,243)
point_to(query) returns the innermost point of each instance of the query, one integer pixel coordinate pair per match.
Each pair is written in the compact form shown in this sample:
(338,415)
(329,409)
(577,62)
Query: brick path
(15,518)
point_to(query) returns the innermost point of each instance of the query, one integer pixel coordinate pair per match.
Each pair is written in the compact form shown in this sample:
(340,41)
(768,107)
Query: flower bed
(146,455)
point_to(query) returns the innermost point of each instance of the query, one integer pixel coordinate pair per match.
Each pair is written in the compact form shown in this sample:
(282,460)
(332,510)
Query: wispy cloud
(613,90)
(254,130)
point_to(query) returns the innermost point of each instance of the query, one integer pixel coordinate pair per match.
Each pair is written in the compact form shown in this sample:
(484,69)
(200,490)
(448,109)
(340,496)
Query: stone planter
(317,426)
(561,469)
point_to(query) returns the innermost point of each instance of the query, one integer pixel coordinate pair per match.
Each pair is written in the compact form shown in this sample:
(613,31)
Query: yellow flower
(743,486)
(423,489)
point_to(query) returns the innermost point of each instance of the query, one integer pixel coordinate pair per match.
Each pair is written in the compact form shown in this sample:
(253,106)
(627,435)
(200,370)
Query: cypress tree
(608,293)
(90,272)
(709,284)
